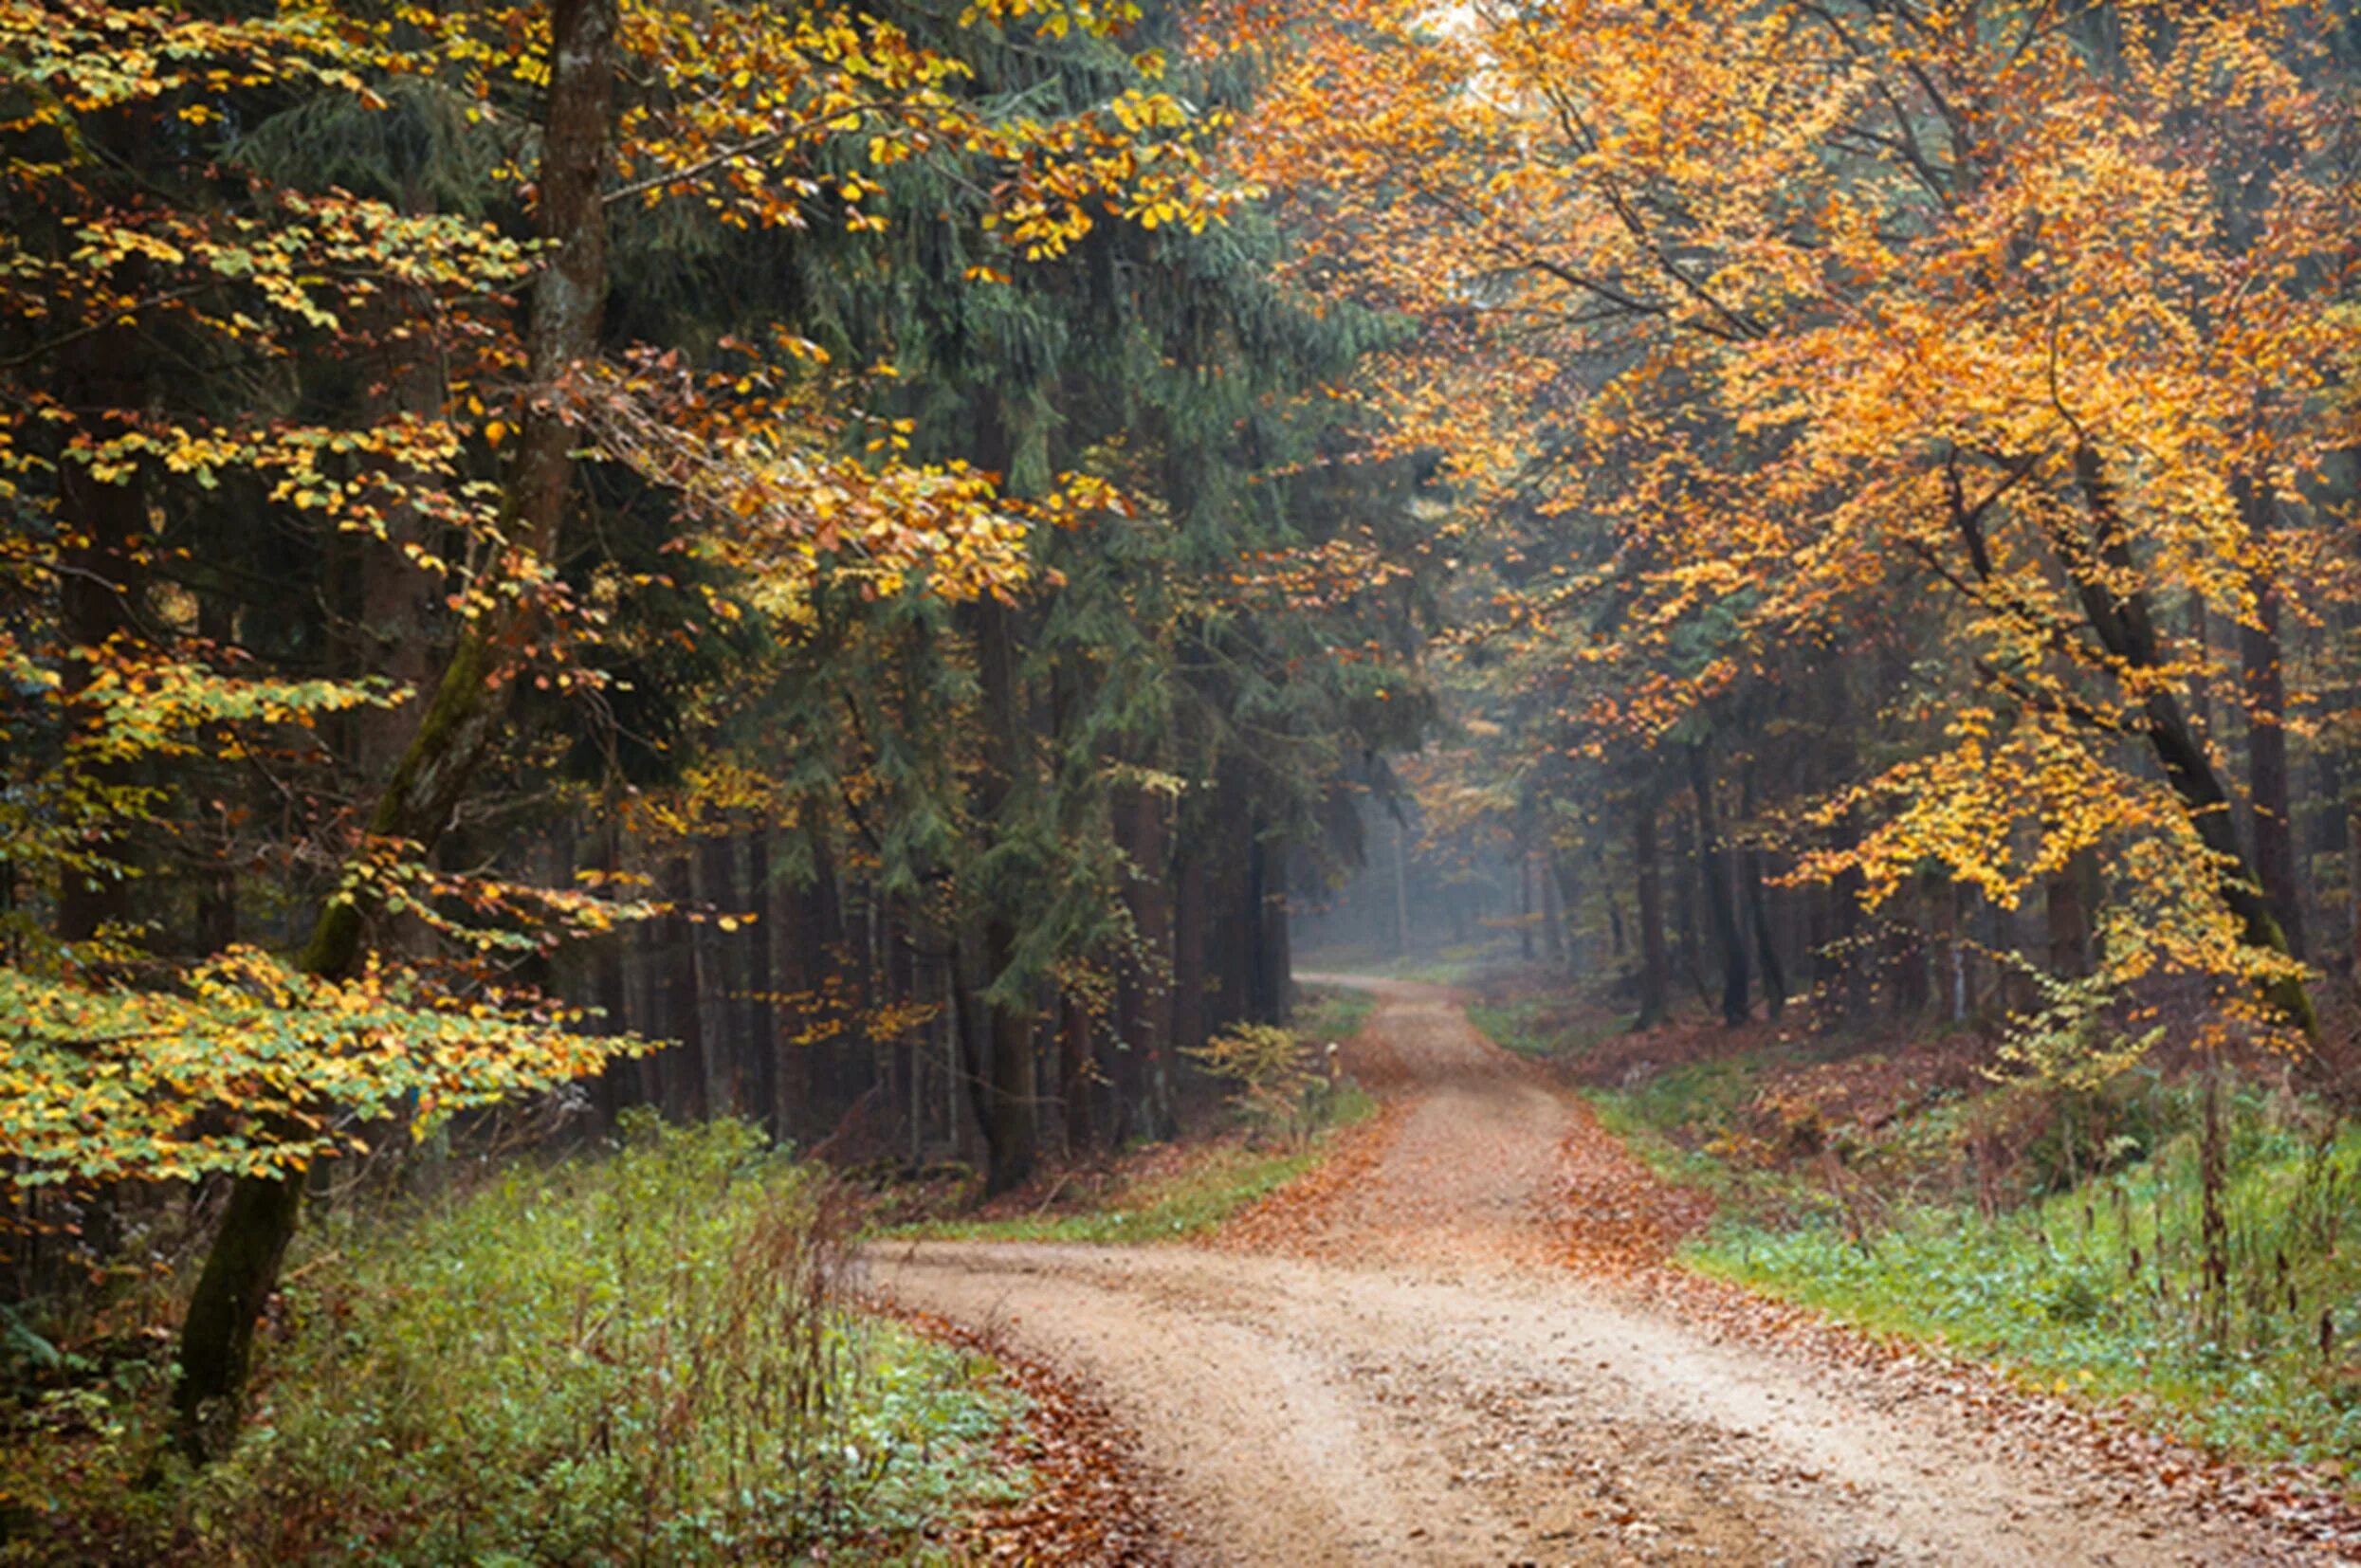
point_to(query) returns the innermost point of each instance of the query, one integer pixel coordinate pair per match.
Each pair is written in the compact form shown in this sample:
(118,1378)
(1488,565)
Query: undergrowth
(2058,1231)
(1451,964)
(641,1357)
(2102,1288)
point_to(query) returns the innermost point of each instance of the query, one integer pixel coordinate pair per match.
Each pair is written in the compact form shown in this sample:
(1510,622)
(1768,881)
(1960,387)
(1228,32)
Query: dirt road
(1433,1386)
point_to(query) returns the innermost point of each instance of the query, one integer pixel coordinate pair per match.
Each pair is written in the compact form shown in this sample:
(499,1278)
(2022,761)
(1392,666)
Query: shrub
(1286,1085)
(641,1357)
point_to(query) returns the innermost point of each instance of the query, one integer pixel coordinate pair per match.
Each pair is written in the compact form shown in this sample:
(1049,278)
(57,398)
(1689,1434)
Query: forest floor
(1461,1343)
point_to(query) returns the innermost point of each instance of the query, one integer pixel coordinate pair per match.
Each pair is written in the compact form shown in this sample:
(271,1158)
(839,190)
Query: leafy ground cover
(1537,1023)
(2062,1234)
(642,1356)
(2101,1288)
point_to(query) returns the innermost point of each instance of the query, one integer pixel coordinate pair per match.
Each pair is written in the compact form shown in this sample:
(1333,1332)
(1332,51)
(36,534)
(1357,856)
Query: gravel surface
(1418,1378)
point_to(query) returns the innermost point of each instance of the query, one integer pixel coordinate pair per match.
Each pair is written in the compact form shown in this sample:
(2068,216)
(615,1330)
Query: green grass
(1461,964)
(1456,964)
(1671,1120)
(628,1358)
(2075,1293)
(1679,1158)
(2075,1282)
(2062,1284)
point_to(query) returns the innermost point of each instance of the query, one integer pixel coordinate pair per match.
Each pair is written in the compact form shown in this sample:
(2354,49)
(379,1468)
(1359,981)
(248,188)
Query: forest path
(1428,1383)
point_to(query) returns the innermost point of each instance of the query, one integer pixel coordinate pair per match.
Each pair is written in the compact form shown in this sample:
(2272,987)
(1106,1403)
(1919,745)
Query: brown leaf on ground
(1617,1215)
(1087,1502)
(1296,1219)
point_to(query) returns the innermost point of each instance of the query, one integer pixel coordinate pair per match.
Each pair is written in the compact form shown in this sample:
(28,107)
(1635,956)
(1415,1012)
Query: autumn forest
(1277,781)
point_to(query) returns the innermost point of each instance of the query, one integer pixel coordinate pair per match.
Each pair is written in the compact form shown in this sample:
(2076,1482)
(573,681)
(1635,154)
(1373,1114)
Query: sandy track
(1428,1387)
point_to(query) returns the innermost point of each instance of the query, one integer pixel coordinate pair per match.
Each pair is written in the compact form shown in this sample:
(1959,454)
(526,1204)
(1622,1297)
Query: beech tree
(2023,331)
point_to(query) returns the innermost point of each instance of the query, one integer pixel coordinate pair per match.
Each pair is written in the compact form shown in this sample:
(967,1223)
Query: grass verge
(1328,1015)
(1533,1025)
(1453,964)
(2101,1289)
(639,1357)
(2060,1234)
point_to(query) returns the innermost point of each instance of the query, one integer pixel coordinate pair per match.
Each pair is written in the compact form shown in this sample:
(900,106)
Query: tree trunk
(1655,970)
(2200,632)
(2267,785)
(836,1059)
(643,964)
(1005,1090)
(217,891)
(796,1082)
(905,987)
(1190,911)
(1229,928)
(1073,1072)
(2353,884)
(1559,907)
(1555,874)
(1525,912)
(2125,628)
(760,1063)
(1252,913)
(1765,937)
(679,997)
(1005,1093)
(1619,939)
(1687,950)
(1712,866)
(712,888)
(2353,891)
(1906,959)
(464,716)
(100,524)
(611,994)
(1275,979)
(1401,888)
(1160,1015)
(1765,934)
(2068,921)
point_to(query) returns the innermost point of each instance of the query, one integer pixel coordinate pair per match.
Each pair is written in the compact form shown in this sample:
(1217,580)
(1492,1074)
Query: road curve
(1431,1387)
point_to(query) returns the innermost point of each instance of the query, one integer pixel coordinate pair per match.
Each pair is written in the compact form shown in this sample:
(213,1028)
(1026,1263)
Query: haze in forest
(1134,782)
